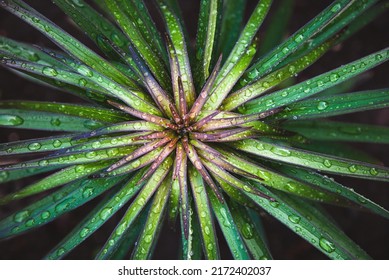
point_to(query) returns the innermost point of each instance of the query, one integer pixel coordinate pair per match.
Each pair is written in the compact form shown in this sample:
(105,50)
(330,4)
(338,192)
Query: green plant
(214,133)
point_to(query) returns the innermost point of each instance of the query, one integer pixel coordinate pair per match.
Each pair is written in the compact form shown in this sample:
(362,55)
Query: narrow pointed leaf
(316,84)
(97,217)
(313,160)
(229,228)
(209,239)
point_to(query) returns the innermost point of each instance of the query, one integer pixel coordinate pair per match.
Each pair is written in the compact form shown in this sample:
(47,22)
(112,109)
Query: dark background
(368,230)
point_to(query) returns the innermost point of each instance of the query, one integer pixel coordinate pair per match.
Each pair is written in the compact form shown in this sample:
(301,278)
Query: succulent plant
(204,136)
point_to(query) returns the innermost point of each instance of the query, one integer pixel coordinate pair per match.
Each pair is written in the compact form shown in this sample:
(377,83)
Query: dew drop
(62,206)
(373,171)
(334,77)
(78,3)
(11,120)
(322,105)
(49,71)
(280,151)
(57,143)
(105,213)
(34,146)
(326,245)
(3,176)
(327,163)
(84,232)
(82,82)
(91,124)
(21,216)
(352,168)
(45,215)
(30,223)
(247,231)
(55,122)
(294,219)
(84,70)
(60,252)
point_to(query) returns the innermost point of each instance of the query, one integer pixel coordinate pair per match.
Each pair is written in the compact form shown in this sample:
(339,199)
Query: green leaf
(73,158)
(330,185)
(97,217)
(209,19)
(208,234)
(52,206)
(273,79)
(117,81)
(126,17)
(18,118)
(306,221)
(339,131)
(277,27)
(248,229)
(82,111)
(177,38)
(57,179)
(149,236)
(313,160)
(335,105)
(277,180)
(228,227)
(135,208)
(90,21)
(314,85)
(232,21)
(240,56)
(191,245)
(36,145)
(12,175)
(272,59)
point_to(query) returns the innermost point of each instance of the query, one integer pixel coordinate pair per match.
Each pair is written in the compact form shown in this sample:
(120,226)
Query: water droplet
(30,223)
(21,216)
(57,143)
(45,215)
(84,70)
(49,71)
(79,168)
(34,146)
(105,213)
(352,168)
(78,3)
(322,105)
(11,120)
(87,192)
(60,252)
(84,232)
(274,204)
(91,124)
(294,219)
(3,176)
(280,151)
(55,122)
(247,231)
(373,171)
(63,206)
(82,82)
(90,154)
(335,8)
(43,162)
(299,38)
(327,163)
(334,77)
(33,57)
(327,245)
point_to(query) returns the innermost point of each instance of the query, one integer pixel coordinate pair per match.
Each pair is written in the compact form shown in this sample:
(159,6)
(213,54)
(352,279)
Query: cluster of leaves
(204,133)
